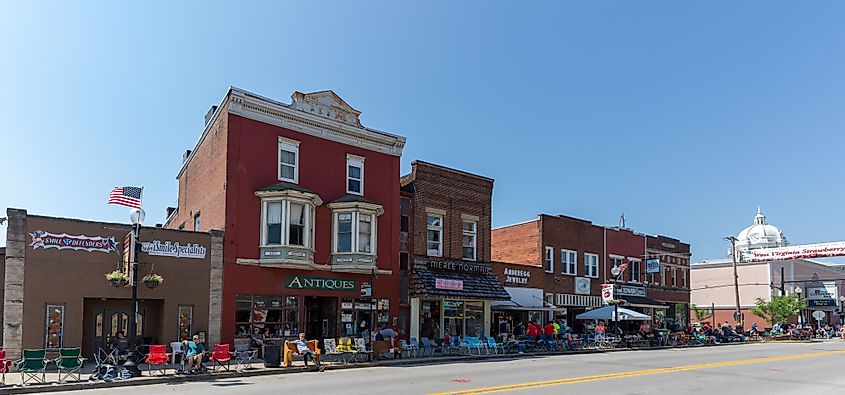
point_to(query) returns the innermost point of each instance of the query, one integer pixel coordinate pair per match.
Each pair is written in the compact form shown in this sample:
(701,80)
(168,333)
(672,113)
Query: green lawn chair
(33,366)
(69,363)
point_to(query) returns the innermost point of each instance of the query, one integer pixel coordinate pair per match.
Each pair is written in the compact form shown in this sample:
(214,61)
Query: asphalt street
(770,368)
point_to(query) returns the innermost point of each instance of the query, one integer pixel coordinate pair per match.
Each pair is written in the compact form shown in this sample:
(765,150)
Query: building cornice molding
(255,107)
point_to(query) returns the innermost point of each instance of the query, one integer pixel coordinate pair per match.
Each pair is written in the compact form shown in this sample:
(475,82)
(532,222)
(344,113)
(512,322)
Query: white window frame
(632,262)
(684,278)
(355,161)
(197,221)
(473,234)
(549,259)
(308,228)
(591,268)
(290,146)
(566,267)
(675,277)
(439,229)
(355,230)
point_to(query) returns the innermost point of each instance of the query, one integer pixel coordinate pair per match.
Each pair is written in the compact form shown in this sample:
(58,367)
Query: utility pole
(782,282)
(738,313)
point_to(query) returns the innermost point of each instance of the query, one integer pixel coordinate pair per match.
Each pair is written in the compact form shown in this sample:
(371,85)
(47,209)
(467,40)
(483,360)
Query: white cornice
(252,106)
(375,208)
(259,108)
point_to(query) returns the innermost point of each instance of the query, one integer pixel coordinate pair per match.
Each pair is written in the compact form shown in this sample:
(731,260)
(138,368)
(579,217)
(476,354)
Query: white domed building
(760,235)
(712,284)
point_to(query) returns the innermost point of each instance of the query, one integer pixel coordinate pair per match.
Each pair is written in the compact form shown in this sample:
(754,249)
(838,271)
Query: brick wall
(518,243)
(562,232)
(202,184)
(457,193)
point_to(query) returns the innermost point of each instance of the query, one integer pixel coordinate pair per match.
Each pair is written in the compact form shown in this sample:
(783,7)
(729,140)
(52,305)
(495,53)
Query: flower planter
(116,283)
(151,284)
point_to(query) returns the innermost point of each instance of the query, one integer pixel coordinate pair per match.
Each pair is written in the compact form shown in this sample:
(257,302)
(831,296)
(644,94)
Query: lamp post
(615,272)
(798,291)
(136,215)
(738,312)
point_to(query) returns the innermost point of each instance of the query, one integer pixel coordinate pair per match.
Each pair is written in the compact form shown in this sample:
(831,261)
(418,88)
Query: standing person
(558,333)
(194,351)
(534,331)
(520,329)
(302,349)
(549,333)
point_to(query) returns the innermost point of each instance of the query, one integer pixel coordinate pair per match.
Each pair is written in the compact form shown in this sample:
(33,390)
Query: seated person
(194,351)
(257,338)
(302,349)
(120,345)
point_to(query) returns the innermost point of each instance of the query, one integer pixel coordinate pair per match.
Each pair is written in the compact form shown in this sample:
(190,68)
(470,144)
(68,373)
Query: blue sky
(683,115)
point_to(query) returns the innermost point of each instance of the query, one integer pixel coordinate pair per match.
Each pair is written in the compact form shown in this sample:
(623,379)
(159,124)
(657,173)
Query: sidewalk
(257,368)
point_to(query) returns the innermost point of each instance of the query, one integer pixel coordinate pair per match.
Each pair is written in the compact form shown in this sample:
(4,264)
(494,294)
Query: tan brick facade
(202,181)
(455,194)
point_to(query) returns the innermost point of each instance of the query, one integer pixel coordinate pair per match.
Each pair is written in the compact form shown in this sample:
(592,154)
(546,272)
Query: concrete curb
(55,387)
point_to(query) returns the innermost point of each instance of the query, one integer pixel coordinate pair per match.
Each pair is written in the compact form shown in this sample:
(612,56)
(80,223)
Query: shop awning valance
(607,313)
(473,284)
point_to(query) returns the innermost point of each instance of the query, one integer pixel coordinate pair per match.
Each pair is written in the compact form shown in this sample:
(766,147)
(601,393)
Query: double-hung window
(634,266)
(674,277)
(365,233)
(470,231)
(684,277)
(354,174)
(197,222)
(288,160)
(568,262)
(591,265)
(434,241)
(549,259)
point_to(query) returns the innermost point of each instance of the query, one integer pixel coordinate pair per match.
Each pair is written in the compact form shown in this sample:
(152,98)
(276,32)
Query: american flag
(622,267)
(126,196)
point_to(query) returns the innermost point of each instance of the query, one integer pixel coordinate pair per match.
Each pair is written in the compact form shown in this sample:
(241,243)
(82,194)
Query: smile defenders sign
(64,241)
(331,284)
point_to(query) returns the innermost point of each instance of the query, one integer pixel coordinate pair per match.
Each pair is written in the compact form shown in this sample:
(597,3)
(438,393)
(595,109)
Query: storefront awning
(455,279)
(641,301)
(526,308)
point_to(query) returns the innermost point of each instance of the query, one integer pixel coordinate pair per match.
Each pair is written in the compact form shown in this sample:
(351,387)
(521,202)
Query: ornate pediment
(326,104)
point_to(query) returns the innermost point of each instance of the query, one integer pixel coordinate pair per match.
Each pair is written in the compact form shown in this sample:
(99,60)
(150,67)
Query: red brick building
(309,198)
(569,251)
(577,257)
(446,238)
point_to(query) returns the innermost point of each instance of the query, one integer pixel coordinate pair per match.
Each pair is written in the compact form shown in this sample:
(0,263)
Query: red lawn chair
(5,365)
(157,359)
(221,357)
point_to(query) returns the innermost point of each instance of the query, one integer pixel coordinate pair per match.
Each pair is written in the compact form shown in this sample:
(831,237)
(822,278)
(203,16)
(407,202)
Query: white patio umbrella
(606,313)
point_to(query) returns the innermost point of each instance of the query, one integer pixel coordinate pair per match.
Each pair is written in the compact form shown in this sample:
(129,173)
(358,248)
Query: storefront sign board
(516,276)
(826,291)
(308,282)
(821,303)
(629,290)
(173,249)
(64,241)
(582,286)
(455,266)
(444,283)
(652,266)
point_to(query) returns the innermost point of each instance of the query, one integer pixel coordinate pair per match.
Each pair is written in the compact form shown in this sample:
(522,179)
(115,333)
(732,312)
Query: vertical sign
(607,293)
(128,254)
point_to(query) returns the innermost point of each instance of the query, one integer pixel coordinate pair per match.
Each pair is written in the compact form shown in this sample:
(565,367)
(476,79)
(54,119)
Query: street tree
(779,308)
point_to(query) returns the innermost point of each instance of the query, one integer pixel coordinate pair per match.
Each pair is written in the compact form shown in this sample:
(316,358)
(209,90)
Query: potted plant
(117,278)
(152,280)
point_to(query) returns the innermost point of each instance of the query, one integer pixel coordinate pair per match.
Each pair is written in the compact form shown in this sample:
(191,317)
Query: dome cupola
(760,235)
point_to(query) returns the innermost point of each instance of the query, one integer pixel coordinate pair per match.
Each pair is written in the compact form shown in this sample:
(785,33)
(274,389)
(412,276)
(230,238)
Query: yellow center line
(635,373)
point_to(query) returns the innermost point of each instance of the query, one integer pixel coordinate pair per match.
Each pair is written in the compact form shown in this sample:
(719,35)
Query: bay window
(355,232)
(287,222)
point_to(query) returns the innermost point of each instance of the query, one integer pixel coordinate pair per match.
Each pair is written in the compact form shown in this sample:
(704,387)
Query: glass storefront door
(453,317)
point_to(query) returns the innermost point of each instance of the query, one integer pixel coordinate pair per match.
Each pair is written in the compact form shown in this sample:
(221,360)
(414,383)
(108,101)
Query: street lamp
(798,291)
(738,313)
(136,215)
(615,272)
(841,306)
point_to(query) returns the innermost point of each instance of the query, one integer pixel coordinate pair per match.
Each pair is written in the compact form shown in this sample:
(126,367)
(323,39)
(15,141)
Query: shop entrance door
(320,318)
(108,322)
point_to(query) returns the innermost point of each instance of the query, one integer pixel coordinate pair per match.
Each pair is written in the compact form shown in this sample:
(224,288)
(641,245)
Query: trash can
(273,353)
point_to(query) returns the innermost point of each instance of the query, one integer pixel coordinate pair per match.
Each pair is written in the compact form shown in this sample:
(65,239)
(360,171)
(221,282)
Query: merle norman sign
(455,266)
(331,284)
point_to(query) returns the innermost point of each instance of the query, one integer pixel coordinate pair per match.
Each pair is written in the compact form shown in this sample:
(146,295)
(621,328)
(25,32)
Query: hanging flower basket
(117,278)
(152,280)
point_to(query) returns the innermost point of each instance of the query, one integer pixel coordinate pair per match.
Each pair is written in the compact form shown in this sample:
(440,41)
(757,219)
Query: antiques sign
(64,241)
(173,249)
(308,282)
